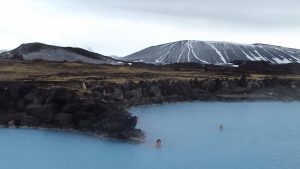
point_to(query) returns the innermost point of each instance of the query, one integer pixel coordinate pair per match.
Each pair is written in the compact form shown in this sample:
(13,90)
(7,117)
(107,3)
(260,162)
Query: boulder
(11,123)
(19,90)
(30,121)
(7,101)
(136,93)
(72,108)
(225,85)
(60,95)
(34,94)
(113,123)
(43,112)
(118,94)
(84,124)
(63,119)
(209,85)
(21,104)
(132,122)
(81,115)
(34,109)
(154,91)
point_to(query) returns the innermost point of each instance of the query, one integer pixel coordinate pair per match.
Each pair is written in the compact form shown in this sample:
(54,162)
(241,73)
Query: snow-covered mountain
(208,52)
(33,51)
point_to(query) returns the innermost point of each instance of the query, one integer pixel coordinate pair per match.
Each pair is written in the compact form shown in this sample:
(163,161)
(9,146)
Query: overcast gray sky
(121,27)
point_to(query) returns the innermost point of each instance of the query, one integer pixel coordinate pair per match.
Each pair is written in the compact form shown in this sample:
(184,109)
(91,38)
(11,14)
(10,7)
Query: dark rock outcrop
(61,108)
(156,92)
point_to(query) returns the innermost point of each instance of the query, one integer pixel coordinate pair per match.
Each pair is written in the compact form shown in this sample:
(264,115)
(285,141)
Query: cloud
(121,27)
(255,13)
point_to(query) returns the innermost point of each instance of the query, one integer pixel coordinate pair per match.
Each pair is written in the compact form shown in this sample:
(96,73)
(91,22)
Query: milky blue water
(256,135)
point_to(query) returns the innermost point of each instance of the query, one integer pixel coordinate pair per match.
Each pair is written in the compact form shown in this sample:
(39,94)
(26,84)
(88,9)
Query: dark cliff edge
(103,111)
(23,105)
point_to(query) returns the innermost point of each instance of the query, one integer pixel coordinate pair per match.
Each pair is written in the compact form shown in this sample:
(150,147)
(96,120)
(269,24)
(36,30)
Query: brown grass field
(73,74)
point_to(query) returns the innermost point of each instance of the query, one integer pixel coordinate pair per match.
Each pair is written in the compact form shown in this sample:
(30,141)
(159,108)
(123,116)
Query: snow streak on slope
(207,52)
(249,57)
(191,46)
(217,51)
(180,56)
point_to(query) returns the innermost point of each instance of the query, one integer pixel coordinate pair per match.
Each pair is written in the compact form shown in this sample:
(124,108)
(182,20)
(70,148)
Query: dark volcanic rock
(23,105)
(63,119)
(72,108)
(28,120)
(136,93)
(84,124)
(118,94)
(43,112)
(60,95)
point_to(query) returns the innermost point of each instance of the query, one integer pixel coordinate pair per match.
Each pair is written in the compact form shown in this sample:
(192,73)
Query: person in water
(158,143)
(221,127)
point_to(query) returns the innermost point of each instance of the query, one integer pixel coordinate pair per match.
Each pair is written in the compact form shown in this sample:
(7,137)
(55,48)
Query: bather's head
(158,143)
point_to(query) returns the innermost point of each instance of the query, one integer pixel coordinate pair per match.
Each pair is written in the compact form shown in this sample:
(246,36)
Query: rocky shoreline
(61,108)
(101,109)
(162,91)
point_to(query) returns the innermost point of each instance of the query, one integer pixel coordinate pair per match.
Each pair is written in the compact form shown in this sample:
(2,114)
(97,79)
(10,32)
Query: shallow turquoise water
(260,135)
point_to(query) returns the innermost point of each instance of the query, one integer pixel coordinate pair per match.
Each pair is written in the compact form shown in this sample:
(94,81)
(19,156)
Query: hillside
(39,51)
(208,52)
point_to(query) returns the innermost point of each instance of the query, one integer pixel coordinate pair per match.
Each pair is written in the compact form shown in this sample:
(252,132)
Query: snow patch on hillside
(212,52)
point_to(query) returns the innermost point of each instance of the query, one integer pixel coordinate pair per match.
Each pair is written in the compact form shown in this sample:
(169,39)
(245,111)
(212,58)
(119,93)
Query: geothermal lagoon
(255,135)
